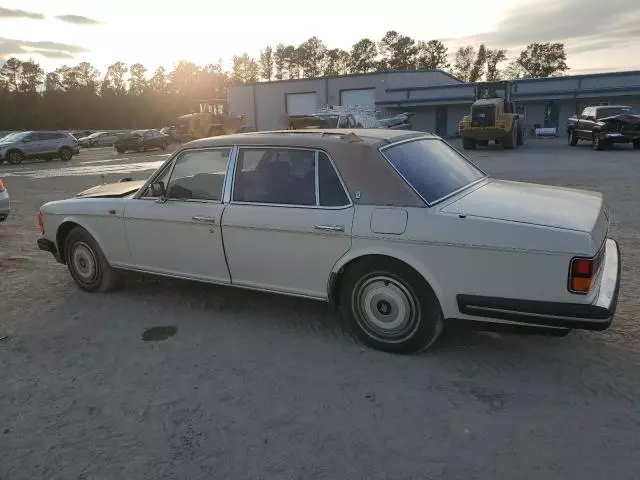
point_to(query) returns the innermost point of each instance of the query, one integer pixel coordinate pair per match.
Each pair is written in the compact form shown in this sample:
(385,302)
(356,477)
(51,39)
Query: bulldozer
(493,117)
(211,120)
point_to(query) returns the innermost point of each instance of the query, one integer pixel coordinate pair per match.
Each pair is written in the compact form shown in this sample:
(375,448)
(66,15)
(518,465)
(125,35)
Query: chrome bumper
(610,281)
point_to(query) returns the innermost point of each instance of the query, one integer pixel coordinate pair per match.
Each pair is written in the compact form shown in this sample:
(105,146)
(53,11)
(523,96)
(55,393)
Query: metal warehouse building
(437,99)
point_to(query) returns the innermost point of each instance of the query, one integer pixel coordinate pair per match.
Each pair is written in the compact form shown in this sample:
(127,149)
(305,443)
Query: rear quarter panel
(475,256)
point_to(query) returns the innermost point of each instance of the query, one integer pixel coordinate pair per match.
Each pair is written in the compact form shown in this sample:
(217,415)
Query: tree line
(128,96)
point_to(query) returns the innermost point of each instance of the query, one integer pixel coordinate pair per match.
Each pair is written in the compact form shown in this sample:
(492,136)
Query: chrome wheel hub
(84,262)
(385,307)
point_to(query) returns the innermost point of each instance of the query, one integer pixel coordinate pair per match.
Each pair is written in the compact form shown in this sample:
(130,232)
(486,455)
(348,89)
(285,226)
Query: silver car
(5,203)
(46,145)
(99,139)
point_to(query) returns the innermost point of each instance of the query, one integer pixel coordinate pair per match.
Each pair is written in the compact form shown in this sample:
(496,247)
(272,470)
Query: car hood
(623,118)
(528,203)
(119,189)
(6,144)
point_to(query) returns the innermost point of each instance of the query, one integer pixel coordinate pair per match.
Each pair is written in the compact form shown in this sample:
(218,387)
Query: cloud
(78,20)
(9,13)
(11,47)
(582,25)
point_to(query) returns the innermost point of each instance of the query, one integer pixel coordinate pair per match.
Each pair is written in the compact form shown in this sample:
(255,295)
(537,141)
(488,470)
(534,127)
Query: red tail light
(2,187)
(582,271)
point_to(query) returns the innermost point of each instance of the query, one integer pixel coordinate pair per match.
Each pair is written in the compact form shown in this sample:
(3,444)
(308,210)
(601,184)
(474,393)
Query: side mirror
(157,189)
(26,140)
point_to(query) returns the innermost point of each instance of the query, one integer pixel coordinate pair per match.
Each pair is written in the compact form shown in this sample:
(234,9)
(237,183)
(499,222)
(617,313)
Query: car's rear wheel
(15,157)
(389,306)
(572,139)
(65,154)
(468,143)
(87,264)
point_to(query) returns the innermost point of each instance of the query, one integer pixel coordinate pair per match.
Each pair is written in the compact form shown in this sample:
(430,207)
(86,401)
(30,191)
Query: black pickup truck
(604,126)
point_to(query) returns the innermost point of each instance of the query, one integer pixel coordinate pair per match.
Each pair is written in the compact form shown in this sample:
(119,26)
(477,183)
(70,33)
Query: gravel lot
(254,386)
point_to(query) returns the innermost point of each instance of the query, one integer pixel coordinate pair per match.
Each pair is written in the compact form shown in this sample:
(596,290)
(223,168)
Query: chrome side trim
(226,283)
(317,178)
(229,176)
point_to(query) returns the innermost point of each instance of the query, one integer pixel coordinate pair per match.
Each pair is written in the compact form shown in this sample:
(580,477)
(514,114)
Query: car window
(343,122)
(46,136)
(32,137)
(432,167)
(199,175)
(276,176)
(332,192)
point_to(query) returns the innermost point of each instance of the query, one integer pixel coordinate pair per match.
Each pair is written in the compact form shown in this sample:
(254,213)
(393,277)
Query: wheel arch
(339,269)
(63,230)
(14,149)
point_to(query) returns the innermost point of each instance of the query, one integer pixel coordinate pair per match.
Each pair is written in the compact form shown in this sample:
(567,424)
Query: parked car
(81,134)
(99,139)
(142,140)
(46,145)
(395,228)
(604,126)
(5,202)
(172,133)
(5,133)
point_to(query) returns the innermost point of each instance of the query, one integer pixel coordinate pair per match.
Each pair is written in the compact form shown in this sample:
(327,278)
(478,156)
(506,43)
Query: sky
(599,36)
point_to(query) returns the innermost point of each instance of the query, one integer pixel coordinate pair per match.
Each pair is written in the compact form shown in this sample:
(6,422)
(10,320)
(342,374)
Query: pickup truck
(604,126)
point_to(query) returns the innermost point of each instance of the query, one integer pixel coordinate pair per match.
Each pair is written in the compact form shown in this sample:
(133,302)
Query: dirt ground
(255,386)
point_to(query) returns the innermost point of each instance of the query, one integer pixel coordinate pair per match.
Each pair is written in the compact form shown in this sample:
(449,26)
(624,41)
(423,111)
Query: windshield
(432,167)
(14,137)
(604,112)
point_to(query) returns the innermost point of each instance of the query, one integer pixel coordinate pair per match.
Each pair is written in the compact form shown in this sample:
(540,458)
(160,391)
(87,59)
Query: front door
(441,121)
(32,145)
(180,234)
(289,221)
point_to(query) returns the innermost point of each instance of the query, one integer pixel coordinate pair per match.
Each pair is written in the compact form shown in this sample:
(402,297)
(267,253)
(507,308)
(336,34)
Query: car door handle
(330,227)
(201,219)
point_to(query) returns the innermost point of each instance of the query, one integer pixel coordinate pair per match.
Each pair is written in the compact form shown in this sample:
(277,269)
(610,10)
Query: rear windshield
(432,167)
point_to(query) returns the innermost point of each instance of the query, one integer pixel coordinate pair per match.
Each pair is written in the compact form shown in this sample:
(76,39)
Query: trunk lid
(557,207)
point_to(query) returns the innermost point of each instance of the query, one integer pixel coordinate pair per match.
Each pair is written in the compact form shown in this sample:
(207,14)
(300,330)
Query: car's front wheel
(389,306)
(15,157)
(572,139)
(87,264)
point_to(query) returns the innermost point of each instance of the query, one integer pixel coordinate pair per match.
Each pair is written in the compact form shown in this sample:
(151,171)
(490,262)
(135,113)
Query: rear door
(288,222)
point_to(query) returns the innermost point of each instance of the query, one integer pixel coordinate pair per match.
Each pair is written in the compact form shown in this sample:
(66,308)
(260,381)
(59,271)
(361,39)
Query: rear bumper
(48,246)
(594,316)
(615,137)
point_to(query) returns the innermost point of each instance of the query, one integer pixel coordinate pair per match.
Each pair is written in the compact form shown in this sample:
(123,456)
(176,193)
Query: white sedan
(395,228)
